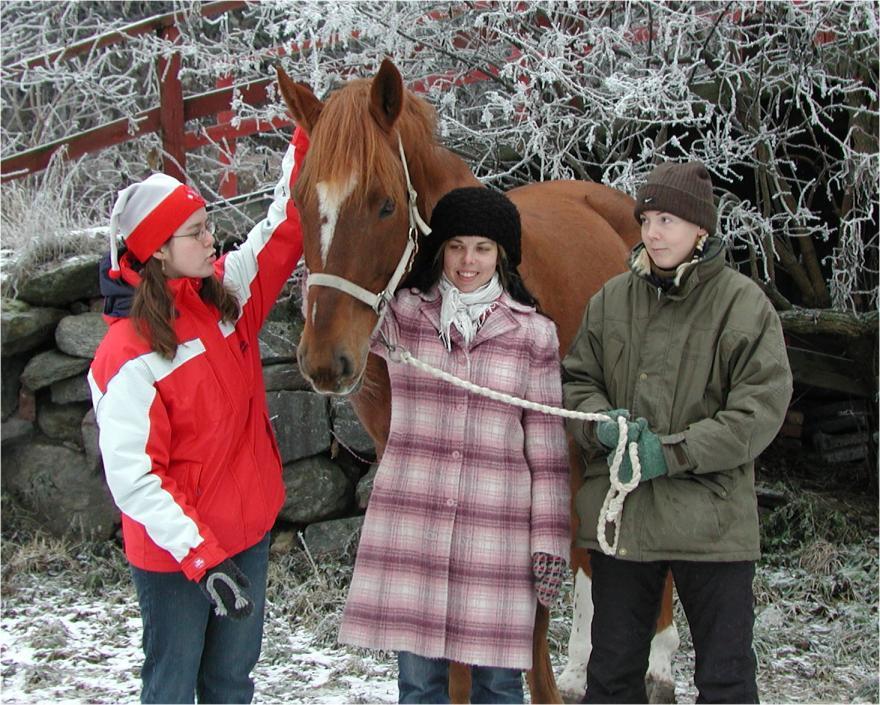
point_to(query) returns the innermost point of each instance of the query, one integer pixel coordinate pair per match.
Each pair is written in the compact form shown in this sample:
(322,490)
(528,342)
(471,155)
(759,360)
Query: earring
(163,266)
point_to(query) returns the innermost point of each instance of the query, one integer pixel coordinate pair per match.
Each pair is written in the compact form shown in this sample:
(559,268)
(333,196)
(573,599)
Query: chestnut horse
(353,201)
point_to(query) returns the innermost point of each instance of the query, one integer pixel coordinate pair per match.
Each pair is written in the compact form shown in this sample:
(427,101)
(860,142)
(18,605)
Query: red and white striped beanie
(147,213)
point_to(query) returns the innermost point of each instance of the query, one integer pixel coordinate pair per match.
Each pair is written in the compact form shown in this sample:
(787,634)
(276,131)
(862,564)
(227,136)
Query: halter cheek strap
(377,302)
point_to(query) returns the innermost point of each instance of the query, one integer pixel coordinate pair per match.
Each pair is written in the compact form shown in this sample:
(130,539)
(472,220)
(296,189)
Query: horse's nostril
(345,365)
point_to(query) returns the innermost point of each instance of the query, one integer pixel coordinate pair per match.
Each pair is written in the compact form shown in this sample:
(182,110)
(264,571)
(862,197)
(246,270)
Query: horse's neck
(437,172)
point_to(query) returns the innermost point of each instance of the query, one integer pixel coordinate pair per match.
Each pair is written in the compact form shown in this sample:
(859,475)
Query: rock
(62,422)
(47,367)
(284,376)
(16,429)
(348,430)
(71,389)
(365,487)
(338,538)
(89,431)
(80,335)
(56,483)
(301,423)
(10,384)
(278,341)
(353,467)
(62,283)
(24,328)
(317,489)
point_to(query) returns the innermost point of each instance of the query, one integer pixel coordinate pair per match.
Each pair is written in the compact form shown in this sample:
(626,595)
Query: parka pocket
(685,516)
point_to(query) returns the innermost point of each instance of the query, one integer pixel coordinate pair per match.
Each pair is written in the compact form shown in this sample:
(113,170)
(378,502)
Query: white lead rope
(612,507)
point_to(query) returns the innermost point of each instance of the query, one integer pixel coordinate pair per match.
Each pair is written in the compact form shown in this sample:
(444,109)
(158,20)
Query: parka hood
(684,281)
(118,294)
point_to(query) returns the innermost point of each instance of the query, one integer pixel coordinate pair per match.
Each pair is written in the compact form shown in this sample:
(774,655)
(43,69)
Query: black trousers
(720,607)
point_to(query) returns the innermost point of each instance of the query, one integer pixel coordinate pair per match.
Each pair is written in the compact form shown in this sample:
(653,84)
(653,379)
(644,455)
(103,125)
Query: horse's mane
(348,140)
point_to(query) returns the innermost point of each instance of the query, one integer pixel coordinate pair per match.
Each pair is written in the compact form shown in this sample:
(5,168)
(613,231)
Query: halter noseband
(378,302)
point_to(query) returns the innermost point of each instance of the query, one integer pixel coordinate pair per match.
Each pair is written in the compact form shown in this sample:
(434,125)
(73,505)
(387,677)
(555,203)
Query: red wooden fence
(169,118)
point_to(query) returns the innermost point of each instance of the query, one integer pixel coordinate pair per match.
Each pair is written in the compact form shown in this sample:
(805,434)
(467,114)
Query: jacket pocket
(189,476)
(685,516)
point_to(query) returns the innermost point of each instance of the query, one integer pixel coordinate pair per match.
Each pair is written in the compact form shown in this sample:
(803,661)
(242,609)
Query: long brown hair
(153,312)
(511,281)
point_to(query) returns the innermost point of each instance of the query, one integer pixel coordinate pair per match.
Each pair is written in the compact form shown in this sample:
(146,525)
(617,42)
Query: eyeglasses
(205,232)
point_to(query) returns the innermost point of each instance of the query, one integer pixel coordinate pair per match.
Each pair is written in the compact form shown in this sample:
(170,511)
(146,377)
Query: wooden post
(171,111)
(228,186)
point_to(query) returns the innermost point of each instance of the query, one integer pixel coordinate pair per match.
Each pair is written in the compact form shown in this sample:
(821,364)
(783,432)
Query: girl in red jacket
(187,446)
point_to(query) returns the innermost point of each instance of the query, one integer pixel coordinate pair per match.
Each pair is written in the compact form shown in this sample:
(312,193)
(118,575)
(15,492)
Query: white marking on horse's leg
(314,312)
(573,681)
(331,196)
(663,648)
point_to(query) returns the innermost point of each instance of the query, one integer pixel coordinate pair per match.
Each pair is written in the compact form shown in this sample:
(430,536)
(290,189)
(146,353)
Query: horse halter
(379,301)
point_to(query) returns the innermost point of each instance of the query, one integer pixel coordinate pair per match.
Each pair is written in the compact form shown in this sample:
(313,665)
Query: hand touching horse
(353,200)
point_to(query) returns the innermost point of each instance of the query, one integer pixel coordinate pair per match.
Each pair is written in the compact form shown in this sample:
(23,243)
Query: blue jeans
(426,680)
(189,651)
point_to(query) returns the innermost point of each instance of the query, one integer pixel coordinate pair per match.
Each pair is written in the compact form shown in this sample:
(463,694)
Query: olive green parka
(705,363)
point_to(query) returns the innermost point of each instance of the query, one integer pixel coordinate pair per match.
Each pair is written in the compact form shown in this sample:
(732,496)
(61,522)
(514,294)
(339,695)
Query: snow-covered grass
(70,625)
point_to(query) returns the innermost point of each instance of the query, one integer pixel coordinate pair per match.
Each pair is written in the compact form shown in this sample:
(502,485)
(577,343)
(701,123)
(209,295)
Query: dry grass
(42,222)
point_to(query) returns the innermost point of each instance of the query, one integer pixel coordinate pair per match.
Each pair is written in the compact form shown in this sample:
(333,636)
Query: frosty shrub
(778,99)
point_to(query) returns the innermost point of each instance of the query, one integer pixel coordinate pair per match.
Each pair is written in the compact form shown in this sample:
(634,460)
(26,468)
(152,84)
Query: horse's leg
(542,685)
(372,403)
(459,683)
(659,681)
(573,681)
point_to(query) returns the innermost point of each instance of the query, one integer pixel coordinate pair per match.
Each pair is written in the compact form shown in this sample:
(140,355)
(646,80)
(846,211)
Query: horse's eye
(387,208)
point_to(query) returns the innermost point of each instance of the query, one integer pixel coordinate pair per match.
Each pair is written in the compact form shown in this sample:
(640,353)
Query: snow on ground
(70,626)
(62,646)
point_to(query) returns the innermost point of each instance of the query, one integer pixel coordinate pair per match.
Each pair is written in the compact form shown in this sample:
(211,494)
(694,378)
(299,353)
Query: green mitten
(608,433)
(651,455)
(651,458)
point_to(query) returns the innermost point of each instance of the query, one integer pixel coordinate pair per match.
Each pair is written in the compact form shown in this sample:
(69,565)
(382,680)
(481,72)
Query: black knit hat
(684,190)
(476,211)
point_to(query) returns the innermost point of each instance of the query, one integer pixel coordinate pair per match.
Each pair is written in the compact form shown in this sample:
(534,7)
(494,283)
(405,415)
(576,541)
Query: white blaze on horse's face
(331,196)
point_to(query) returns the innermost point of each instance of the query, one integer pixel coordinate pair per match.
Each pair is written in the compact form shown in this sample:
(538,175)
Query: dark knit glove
(224,585)
(651,458)
(608,432)
(549,572)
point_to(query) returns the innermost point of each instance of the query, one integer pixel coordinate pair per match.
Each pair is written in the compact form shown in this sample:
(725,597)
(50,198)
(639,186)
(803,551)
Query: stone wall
(50,458)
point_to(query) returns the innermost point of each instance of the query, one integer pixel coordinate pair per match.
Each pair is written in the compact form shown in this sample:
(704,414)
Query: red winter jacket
(188,449)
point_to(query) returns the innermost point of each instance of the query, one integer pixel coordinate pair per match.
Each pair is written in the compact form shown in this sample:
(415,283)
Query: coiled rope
(612,507)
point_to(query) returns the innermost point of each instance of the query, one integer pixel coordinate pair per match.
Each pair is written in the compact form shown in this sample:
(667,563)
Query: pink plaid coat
(467,490)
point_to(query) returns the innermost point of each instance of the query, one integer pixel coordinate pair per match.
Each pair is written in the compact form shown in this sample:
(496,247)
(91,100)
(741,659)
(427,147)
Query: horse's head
(352,198)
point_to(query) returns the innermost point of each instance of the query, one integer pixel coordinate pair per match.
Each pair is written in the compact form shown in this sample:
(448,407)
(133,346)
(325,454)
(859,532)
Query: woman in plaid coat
(468,522)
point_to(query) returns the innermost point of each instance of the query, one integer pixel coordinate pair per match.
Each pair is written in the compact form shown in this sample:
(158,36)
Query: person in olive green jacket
(691,354)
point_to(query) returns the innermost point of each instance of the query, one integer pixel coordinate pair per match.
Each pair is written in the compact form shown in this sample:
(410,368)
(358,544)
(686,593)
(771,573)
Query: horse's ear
(304,107)
(386,95)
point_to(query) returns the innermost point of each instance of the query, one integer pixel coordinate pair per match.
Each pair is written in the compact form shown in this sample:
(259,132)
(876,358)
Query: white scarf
(466,311)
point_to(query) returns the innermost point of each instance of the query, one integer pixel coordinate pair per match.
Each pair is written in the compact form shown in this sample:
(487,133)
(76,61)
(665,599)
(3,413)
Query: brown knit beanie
(684,190)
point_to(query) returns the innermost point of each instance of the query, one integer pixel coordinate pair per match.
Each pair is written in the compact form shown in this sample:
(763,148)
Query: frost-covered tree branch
(778,99)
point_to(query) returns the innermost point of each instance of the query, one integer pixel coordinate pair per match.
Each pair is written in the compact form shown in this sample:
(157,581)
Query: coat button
(643,376)
(456,454)
(450,502)
(622,552)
